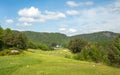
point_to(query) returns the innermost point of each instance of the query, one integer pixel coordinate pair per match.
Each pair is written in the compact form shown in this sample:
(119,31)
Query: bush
(43,47)
(91,52)
(76,45)
(4,52)
(31,45)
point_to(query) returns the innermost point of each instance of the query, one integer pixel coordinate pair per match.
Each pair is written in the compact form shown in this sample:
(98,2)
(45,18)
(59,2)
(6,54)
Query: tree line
(9,38)
(17,40)
(94,51)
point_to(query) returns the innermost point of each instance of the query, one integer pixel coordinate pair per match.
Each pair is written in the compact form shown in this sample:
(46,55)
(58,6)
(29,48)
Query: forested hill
(46,38)
(104,36)
(58,38)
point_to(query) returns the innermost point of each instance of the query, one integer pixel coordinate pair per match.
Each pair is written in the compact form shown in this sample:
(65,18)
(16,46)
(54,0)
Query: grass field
(37,62)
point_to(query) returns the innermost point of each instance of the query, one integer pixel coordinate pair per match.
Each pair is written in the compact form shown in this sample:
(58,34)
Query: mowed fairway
(36,62)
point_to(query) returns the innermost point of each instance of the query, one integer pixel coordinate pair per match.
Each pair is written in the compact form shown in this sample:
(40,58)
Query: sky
(71,17)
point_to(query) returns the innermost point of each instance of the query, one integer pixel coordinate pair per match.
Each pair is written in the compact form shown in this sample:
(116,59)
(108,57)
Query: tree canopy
(76,45)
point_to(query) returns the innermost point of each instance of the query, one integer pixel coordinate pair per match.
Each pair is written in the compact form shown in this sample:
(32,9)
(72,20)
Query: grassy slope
(50,63)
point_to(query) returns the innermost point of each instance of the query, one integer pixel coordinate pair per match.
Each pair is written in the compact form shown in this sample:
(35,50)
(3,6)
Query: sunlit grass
(37,62)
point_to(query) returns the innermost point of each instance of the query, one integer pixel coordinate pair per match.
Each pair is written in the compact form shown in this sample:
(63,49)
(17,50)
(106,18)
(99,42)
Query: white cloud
(9,21)
(76,4)
(88,3)
(33,15)
(26,19)
(49,15)
(68,31)
(29,12)
(102,18)
(72,3)
(72,12)
(71,30)
(62,29)
(24,24)
(89,12)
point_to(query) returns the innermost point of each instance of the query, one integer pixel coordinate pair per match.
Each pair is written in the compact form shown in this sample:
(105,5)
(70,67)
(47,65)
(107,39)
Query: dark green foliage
(76,45)
(51,39)
(91,52)
(1,34)
(43,47)
(114,52)
(7,38)
(101,37)
(37,46)
(47,38)
(117,42)
(11,39)
(21,41)
(31,45)
(97,52)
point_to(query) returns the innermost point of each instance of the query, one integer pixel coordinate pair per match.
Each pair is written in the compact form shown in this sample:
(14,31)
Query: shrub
(43,47)
(76,45)
(4,52)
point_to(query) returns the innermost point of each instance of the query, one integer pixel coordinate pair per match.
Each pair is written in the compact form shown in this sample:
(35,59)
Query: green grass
(37,62)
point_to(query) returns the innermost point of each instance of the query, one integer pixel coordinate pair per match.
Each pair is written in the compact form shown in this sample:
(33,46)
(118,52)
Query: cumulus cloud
(29,12)
(88,3)
(72,3)
(24,24)
(68,31)
(102,18)
(76,4)
(72,12)
(9,21)
(33,15)
(49,15)
(26,19)
(71,30)
(62,29)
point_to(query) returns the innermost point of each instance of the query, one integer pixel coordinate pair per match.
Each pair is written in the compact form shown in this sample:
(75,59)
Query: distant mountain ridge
(62,39)
(46,38)
(103,36)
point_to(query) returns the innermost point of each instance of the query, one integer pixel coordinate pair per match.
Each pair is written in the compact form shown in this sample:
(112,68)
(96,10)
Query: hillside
(62,39)
(37,62)
(47,38)
(104,36)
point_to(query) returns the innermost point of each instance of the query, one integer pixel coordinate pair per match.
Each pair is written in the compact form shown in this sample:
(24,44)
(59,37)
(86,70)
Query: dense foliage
(101,37)
(50,39)
(11,39)
(97,52)
(76,45)
(53,39)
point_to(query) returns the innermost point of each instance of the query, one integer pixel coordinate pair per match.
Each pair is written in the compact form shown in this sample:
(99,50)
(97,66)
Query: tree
(31,45)
(117,42)
(1,34)
(20,41)
(114,52)
(90,52)
(42,46)
(76,45)
(7,38)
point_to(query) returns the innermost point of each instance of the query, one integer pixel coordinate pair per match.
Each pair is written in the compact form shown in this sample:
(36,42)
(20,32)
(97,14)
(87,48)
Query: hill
(62,39)
(47,38)
(101,37)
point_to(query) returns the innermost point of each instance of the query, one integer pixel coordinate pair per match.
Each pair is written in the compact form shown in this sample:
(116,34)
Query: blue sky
(70,17)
